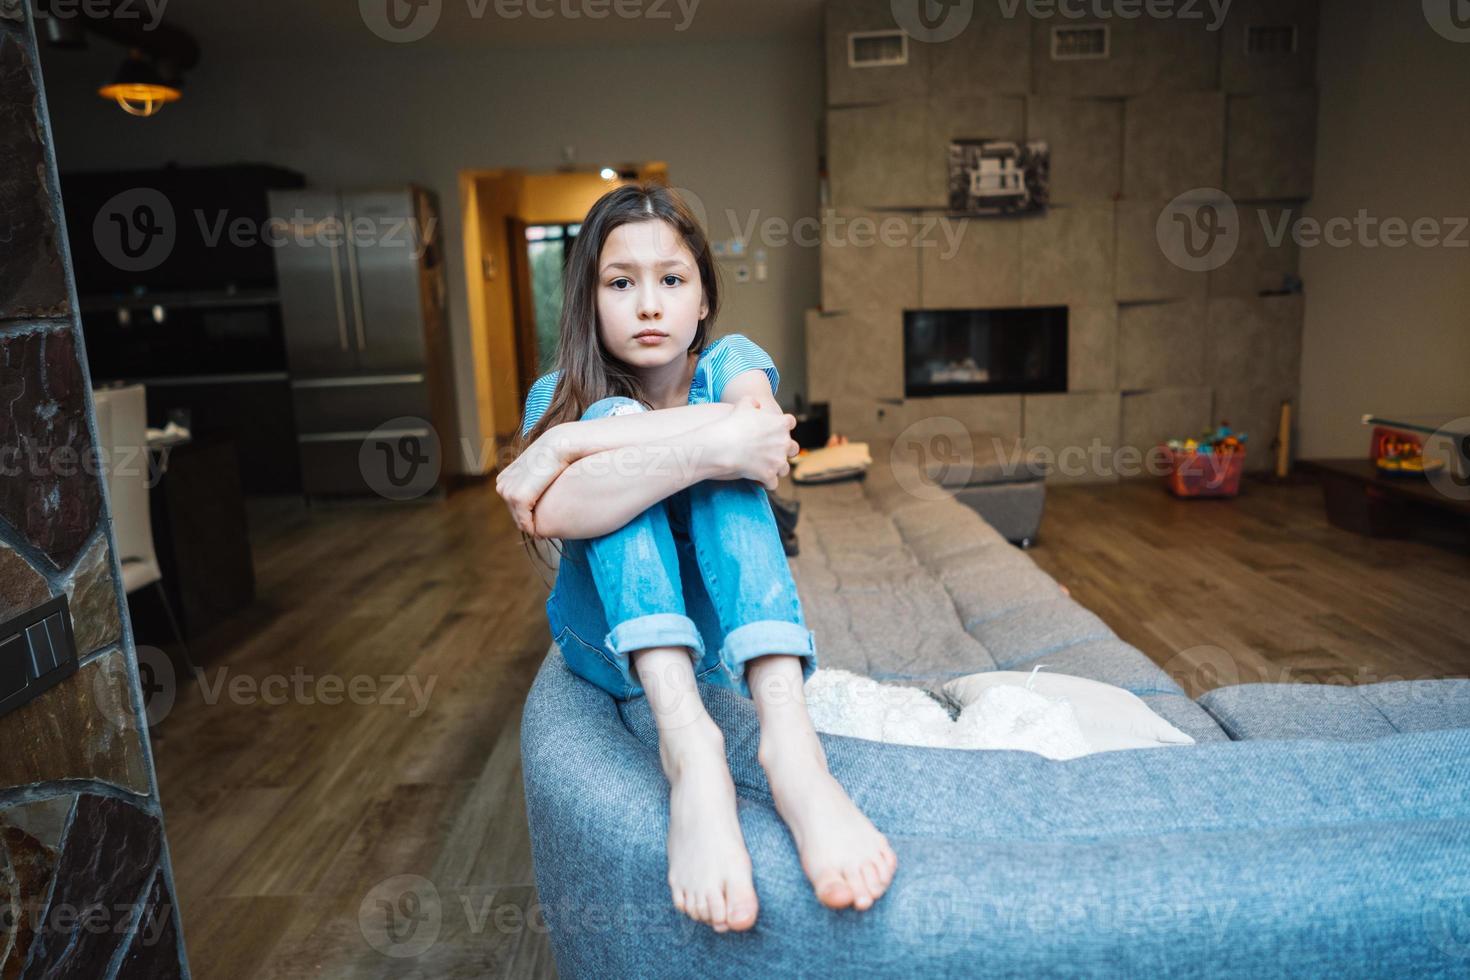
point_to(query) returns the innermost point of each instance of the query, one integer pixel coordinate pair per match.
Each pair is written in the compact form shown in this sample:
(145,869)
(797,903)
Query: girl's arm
(752,384)
(603,491)
(523,482)
(573,440)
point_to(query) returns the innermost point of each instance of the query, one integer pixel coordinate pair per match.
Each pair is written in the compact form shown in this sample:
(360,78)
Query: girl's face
(649,295)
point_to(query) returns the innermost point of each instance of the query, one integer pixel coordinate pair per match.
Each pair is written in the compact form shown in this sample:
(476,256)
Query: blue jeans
(703,569)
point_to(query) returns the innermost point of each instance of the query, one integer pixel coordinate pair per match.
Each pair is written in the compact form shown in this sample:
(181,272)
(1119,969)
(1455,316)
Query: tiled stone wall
(85,884)
(1155,350)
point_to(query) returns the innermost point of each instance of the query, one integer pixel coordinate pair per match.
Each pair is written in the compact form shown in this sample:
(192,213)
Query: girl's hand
(757,443)
(523,482)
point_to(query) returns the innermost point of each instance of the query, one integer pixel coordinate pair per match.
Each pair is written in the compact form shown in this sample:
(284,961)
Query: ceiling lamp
(140,89)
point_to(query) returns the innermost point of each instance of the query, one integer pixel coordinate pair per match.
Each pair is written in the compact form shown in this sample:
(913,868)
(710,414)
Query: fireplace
(991,351)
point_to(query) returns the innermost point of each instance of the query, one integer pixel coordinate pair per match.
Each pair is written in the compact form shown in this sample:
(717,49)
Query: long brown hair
(588,372)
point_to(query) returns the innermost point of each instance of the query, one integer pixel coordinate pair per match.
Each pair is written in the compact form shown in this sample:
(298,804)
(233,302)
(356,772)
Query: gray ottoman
(998,479)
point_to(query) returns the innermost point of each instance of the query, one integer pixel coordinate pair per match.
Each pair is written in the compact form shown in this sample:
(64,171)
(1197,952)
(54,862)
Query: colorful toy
(1209,466)
(1399,453)
(1219,440)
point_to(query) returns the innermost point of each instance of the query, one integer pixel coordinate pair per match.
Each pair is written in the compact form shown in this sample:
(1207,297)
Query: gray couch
(1305,832)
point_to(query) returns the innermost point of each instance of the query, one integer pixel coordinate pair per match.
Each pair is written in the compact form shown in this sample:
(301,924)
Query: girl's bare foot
(848,861)
(709,867)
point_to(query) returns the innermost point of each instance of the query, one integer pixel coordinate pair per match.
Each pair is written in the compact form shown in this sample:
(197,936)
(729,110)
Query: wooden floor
(1259,587)
(283,819)
(289,823)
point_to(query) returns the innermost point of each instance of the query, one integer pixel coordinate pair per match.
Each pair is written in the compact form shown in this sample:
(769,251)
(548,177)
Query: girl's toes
(717,911)
(873,878)
(861,897)
(743,909)
(833,892)
(890,862)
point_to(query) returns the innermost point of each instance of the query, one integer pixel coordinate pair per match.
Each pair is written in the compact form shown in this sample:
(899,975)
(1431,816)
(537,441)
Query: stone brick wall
(1156,349)
(85,885)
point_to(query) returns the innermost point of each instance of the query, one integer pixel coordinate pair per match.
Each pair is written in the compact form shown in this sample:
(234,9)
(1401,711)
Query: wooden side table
(1360,498)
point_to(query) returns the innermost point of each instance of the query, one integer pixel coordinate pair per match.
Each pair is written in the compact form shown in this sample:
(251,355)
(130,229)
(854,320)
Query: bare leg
(709,867)
(848,861)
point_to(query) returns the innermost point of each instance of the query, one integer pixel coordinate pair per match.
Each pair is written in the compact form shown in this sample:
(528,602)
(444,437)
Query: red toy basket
(1197,474)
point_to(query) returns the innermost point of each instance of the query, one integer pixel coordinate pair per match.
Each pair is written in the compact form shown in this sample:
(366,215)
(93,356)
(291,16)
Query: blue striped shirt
(722,360)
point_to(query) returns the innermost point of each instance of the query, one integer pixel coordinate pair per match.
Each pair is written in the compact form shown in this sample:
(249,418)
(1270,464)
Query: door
(385,246)
(523,307)
(311,278)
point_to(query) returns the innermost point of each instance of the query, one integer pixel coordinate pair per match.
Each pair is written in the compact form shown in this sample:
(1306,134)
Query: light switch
(15,665)
(61,646)
(42,656)
(37,651)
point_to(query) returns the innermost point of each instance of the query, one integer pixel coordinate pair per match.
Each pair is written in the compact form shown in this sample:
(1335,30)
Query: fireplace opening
(991,351)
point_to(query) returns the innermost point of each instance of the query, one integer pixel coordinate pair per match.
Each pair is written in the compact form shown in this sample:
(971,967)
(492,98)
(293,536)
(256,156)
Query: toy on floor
(1221,440)
(1210,466)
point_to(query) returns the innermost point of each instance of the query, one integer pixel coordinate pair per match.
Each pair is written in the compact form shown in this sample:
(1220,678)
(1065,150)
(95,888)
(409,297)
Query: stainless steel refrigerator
(362,285)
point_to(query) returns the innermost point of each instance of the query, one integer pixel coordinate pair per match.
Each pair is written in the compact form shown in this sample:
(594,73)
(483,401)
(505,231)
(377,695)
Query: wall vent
(877,49)
(1087,43)
(1270,40)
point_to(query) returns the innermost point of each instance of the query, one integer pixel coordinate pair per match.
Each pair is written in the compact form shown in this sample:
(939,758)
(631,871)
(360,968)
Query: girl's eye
(616,283)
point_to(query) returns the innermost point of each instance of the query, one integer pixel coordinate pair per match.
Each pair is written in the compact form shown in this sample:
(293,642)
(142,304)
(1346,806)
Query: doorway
(539,255)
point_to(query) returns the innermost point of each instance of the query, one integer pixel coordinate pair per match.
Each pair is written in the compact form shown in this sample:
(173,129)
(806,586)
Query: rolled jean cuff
(654,630)
(745,643)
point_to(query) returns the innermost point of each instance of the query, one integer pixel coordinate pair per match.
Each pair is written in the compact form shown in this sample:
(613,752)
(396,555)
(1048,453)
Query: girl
(646,452)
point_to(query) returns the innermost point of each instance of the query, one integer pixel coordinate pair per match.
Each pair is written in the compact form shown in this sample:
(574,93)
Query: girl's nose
(648,305)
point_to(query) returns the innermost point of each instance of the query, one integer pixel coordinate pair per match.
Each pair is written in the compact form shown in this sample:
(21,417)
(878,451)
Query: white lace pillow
(843,703)
(1004,717)
(1109,716)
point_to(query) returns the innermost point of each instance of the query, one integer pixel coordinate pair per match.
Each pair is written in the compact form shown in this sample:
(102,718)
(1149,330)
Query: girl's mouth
(650,337)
